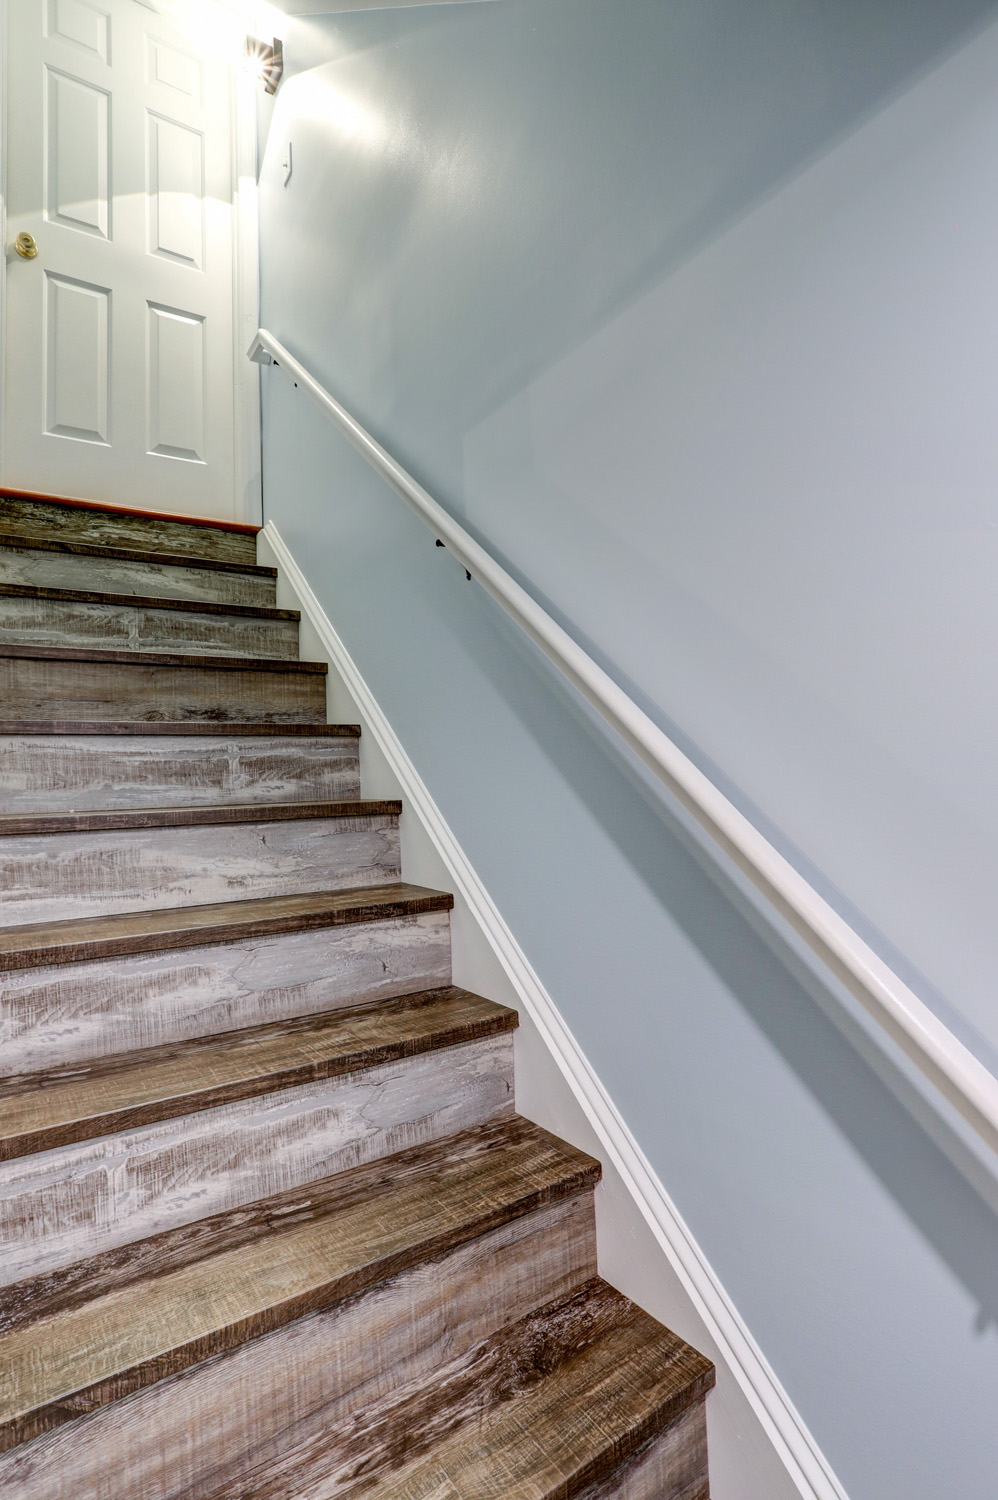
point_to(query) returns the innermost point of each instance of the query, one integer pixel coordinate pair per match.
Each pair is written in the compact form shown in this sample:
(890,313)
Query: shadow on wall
(764,975)
(622,150)
(478,190)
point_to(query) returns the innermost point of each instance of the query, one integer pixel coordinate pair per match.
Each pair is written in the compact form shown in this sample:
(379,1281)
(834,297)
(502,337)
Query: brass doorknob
(25,245)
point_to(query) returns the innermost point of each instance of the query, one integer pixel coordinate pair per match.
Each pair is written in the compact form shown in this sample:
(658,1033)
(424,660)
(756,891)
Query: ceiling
(329,7)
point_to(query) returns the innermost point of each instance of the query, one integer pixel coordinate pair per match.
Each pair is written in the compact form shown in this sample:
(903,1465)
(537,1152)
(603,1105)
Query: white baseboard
(760,1448)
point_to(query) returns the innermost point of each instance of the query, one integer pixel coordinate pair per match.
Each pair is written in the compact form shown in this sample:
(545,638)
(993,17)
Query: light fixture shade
(265,60)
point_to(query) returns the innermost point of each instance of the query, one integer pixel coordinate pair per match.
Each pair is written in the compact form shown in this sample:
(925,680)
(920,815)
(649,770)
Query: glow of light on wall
(351,119)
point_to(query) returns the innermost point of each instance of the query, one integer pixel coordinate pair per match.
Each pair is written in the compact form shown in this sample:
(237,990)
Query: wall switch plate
(287,165)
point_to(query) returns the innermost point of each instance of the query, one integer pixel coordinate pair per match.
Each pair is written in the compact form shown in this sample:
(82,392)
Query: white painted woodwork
(177,416)
(181,1438)
(78,153)
(76,359)
(69,1203)
(80,21)
(68,1013)
(119,361)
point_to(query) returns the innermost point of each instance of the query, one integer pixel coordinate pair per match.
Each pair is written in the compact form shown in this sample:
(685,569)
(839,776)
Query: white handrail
(941,1057)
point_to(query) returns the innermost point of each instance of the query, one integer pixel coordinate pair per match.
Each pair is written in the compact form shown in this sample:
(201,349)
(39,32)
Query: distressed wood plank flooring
(270,1228)
(52,773)
(48,943)
(224,1418)
(115,1325)
(54,1016)
(29,515)
(165,864)
(121,1093)
(73,618)
(198,607)
(155,557)
(37,684)
(511,1419)
(61,1205)
(116,820)
(49,565)
(184,727)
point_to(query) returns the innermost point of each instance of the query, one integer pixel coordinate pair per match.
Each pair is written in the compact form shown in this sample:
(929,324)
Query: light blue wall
(691,311)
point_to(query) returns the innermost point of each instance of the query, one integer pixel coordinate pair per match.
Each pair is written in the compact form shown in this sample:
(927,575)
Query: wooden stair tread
(28,513)
(18,541)
(79,1102)
(80,940)
(544,1410)
(130,512)
(80,1338)
(204,663)
(20,825)
(209,727)
(146,601)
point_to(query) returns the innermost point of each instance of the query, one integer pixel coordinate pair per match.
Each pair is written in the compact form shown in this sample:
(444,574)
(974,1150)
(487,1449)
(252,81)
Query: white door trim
(3,221)
(247,433)
(245,282)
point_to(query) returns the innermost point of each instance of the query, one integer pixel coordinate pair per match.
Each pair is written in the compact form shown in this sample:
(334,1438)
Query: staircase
(271,1229)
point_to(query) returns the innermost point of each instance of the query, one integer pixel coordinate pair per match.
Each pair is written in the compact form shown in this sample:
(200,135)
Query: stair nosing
(183,662)
(561,1173)
(14,541)
(40,945)
(193,728)
(120,820)
(195,1098)
(146,601)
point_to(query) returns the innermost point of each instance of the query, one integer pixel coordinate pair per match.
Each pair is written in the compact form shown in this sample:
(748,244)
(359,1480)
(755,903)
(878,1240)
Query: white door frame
(247,428)
(3,222)
(245,283)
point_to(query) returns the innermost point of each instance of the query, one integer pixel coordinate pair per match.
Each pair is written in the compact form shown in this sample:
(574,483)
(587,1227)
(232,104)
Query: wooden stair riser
(177,1439)
(109,528)
(126,627)
(72,1013)
(69,773)
(558,1407)
(22,563)
(60,688)
(54,877)
(72,1202)
(672,1466)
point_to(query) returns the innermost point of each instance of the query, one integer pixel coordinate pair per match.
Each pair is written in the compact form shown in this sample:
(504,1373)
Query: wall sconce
(264,60)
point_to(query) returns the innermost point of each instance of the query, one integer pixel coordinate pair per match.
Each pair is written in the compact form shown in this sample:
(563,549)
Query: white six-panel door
(119,336)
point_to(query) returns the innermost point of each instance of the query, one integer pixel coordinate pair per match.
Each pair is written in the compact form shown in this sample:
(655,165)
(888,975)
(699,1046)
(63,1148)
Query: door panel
(175,70)
(176,384)
(86,25)
(176,192)
(77,154)
(78,319)
(119,338)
